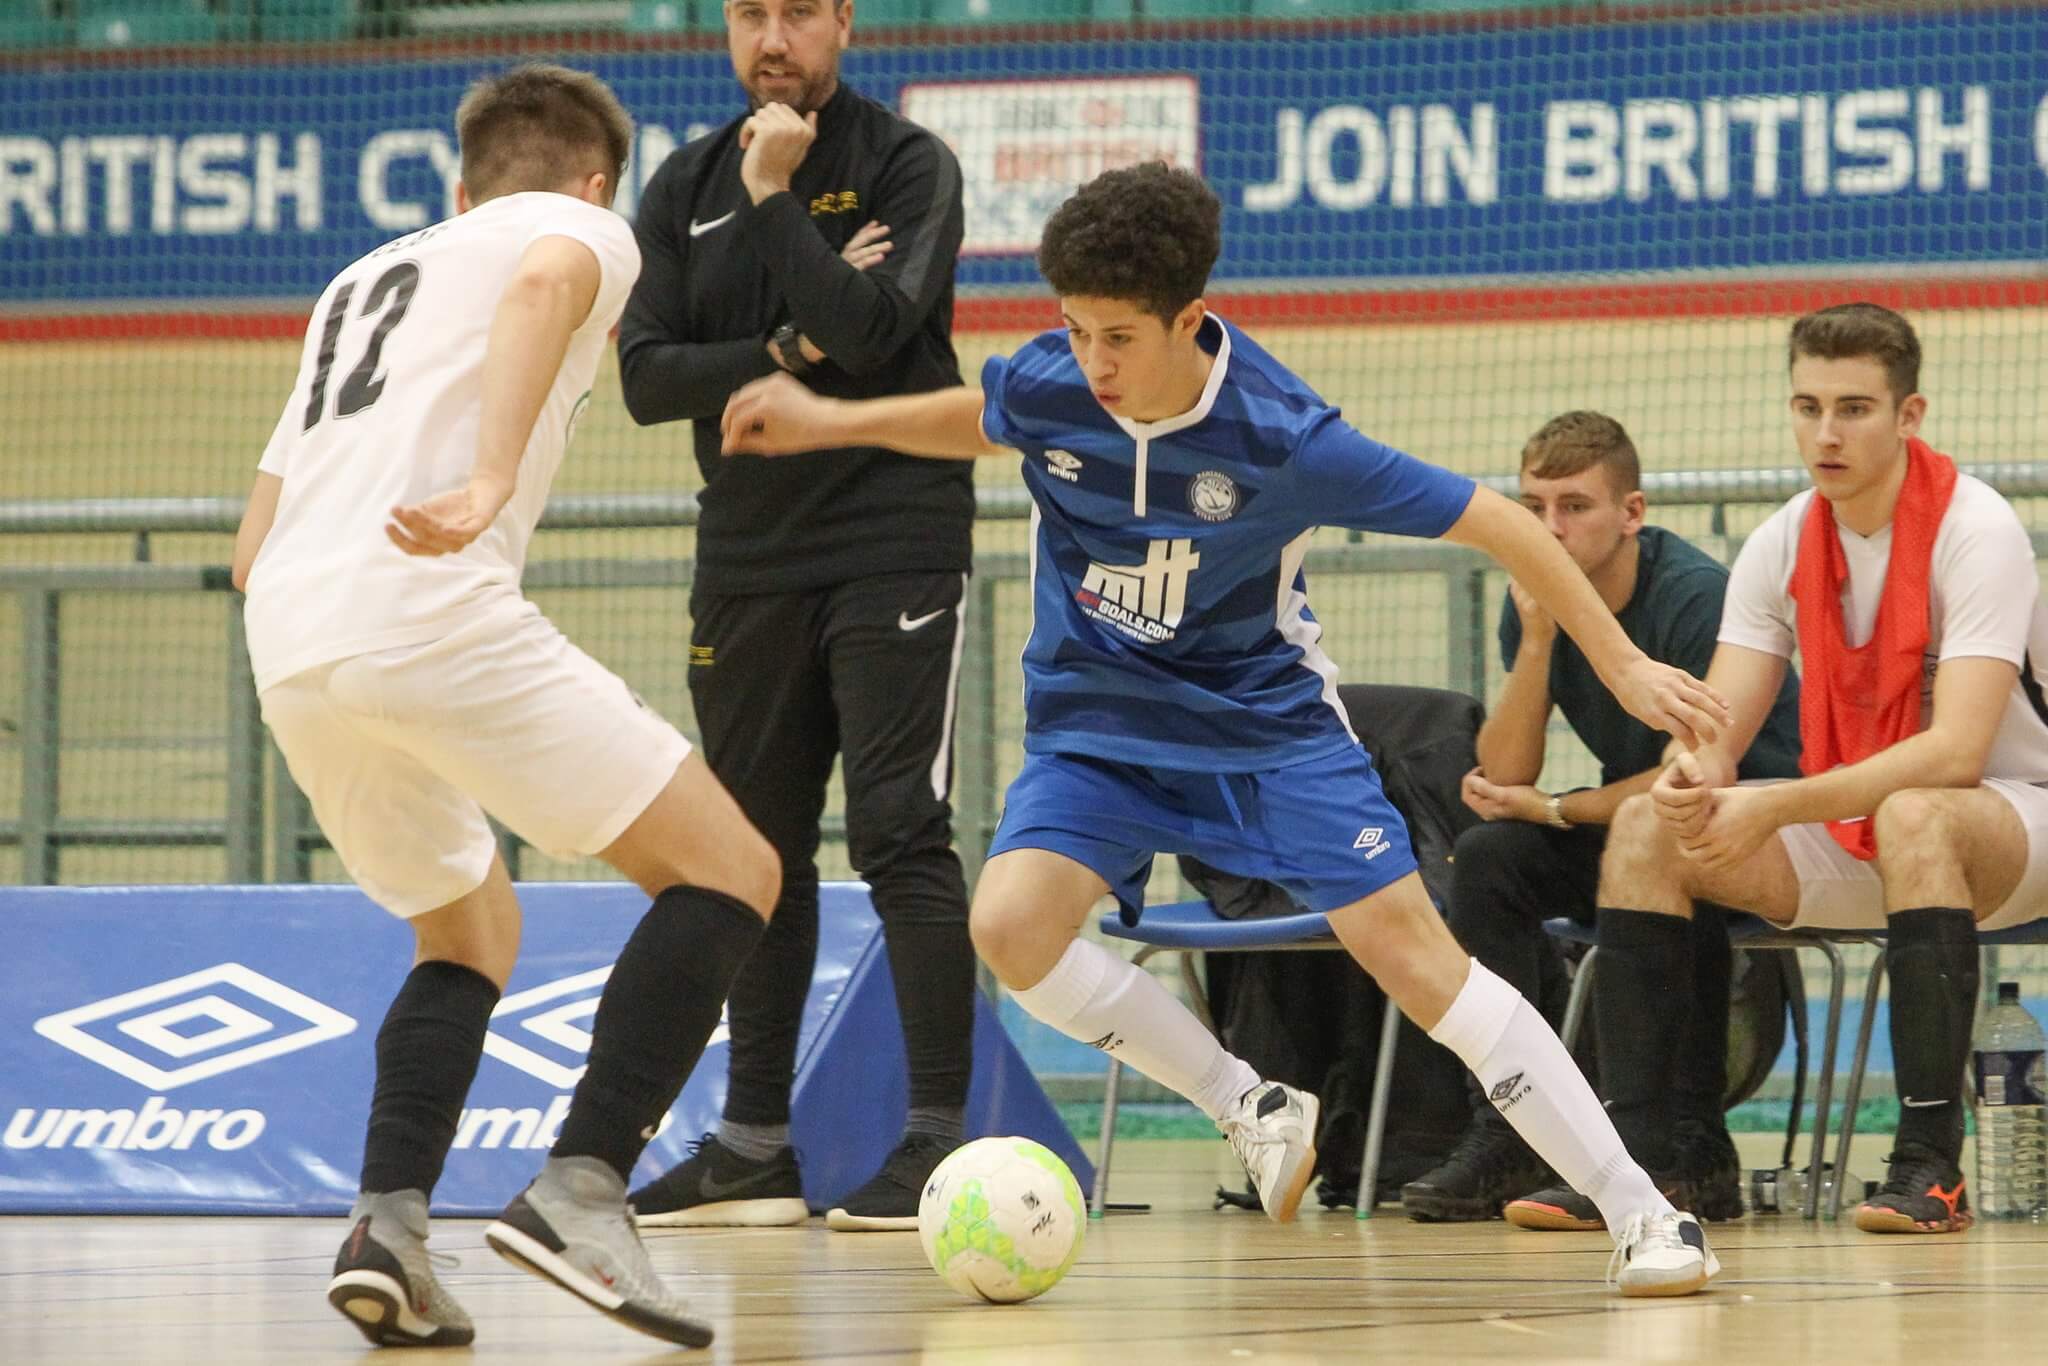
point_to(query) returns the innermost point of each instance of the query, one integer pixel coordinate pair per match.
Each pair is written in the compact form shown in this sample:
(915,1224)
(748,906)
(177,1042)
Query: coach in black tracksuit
(829,587)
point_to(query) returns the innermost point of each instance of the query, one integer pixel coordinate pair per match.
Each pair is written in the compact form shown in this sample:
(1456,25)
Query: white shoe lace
(1643,1233)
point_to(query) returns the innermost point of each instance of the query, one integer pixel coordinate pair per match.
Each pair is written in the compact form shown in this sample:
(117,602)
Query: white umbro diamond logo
(546,1029)
(230,1004)
(1063,465)
(1372,839)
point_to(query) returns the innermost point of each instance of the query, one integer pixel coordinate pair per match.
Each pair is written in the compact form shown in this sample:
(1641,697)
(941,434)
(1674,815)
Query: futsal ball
(1001,1219)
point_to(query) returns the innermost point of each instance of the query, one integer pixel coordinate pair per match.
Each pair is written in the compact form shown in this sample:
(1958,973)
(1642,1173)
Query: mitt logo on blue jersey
(1143,601)
(1212,496)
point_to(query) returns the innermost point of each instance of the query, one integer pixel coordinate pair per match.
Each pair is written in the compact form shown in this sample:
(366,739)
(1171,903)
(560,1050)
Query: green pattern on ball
(969,1229)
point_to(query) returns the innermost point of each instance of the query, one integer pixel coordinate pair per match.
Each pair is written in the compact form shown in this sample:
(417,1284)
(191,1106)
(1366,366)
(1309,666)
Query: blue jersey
(1170,614)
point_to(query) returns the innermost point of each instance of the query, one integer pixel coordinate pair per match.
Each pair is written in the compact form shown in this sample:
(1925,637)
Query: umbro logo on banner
(200,1025)
(544,1031)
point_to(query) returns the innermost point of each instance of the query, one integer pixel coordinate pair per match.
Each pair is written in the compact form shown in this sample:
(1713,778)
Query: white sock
(1101,999)
(1533,1082)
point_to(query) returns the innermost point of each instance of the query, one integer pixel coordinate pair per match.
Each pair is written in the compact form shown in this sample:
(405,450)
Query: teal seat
(1009,11)
(26,24)
(1463,6)
(668,16)
(305,21)
(873,14)
(1194,9)
(1326,9)
(144,23)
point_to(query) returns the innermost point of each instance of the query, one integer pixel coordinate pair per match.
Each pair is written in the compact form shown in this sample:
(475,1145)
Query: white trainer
(1662,1254)
(1273,1130)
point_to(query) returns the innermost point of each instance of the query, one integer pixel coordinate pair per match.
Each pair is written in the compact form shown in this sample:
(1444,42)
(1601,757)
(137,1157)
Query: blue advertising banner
(211,1050)
(1782,145)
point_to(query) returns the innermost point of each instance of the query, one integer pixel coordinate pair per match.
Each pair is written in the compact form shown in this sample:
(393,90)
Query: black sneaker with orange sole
(1924,1193)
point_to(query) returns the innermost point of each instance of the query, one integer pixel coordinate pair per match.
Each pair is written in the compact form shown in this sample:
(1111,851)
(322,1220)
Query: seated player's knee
(1911,821)
(1637,832)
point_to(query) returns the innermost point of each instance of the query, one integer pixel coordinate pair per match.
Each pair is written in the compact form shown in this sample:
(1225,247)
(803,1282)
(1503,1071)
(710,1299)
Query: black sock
(1700,1084)
(1931,955)
(659,1006)
(427,1054)
(1642,999)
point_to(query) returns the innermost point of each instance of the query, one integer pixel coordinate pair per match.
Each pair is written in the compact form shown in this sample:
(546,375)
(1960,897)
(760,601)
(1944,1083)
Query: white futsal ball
(1002,1219)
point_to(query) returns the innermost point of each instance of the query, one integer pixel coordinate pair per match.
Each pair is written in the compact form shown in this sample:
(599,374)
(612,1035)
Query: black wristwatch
(789,345)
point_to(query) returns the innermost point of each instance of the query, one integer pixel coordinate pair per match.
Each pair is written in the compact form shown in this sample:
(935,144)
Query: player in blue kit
(1177,699)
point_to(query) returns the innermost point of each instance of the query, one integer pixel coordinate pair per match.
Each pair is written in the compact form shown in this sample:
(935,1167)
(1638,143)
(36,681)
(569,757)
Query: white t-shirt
(385,412)
(1984,600)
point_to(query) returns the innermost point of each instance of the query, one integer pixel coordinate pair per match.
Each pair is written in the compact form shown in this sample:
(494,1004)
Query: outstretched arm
(779,416)
(1660,696)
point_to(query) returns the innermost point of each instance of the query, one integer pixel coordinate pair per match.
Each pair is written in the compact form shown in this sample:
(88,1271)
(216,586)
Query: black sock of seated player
(1642,1001)
(659,1007)
(427,1054)
(1931,956)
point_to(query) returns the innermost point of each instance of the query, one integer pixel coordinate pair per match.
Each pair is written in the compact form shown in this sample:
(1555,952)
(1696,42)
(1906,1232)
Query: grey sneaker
(1273,1130)
(384,1279)
(572,1227)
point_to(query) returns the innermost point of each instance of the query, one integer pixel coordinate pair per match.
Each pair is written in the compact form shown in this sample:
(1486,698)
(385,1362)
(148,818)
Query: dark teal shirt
(1673,617)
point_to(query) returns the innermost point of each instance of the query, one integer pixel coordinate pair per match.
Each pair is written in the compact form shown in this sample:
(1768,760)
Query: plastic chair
(966,12)
(305,21)
(28,24)
(1192,927)
(143,23)
(1750,932)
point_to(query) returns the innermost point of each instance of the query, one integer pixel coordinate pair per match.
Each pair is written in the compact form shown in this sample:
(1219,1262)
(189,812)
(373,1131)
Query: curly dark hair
(1148,233)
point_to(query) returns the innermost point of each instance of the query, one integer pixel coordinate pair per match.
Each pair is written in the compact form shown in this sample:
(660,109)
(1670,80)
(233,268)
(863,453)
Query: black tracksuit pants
(1508,877)
(782,683)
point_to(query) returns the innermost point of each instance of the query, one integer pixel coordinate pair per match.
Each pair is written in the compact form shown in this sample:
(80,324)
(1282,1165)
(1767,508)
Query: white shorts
(401,752)
(1838,891)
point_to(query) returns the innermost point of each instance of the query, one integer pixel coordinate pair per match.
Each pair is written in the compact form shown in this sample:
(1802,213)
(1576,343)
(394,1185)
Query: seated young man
(1538,854)
(1176,698)
(1910,592)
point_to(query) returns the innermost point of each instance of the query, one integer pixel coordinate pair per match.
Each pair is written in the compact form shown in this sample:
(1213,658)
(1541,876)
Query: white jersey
(1984,599)
(385,413)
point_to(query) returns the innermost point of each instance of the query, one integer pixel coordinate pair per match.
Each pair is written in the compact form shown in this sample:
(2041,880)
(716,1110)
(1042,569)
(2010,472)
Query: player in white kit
(411,687)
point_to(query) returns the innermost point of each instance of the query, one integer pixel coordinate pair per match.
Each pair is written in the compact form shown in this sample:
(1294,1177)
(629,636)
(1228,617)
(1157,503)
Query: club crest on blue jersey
(1212,496)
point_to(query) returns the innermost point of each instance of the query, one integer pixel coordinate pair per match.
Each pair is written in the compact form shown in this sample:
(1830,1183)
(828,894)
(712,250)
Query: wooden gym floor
(1180,1285)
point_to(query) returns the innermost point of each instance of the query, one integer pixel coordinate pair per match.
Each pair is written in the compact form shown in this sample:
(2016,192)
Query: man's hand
(1671,700)
(868,246)
(1682,797)
(1493,802)
(447,522)
(1739,820)
(775,140)
(775,416)
(1538,625)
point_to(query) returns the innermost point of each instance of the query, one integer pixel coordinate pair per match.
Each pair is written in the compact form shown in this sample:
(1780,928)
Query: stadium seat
(144,23)
(304,21)
(1325,9)
(874,14)
(27,24)
(1013,11)
(670,16)
(1193,9)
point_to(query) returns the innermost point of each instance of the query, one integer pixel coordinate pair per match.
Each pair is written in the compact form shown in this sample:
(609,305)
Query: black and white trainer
(716,1187)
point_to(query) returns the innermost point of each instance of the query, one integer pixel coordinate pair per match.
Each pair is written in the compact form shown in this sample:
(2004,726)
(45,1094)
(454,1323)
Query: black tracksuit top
(720,273)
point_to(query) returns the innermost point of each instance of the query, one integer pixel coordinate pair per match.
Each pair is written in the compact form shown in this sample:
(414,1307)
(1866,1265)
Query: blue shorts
(1321,829)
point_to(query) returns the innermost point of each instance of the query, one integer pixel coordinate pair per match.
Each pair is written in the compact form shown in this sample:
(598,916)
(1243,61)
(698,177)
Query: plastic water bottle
(2012,1112)
(1784,1190)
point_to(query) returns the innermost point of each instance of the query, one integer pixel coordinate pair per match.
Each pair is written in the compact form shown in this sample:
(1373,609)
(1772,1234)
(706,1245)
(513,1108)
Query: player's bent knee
(1019,948)
(1911,817)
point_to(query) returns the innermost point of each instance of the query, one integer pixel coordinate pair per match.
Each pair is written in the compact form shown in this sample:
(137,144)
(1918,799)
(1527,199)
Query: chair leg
(1575,1004)
(1831,1040)
(1376,1118)
(1198,999)
(1098,1196)
(1853,1095)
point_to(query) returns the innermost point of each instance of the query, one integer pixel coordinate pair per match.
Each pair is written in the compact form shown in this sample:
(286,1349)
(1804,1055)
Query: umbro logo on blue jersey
(1063,465)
